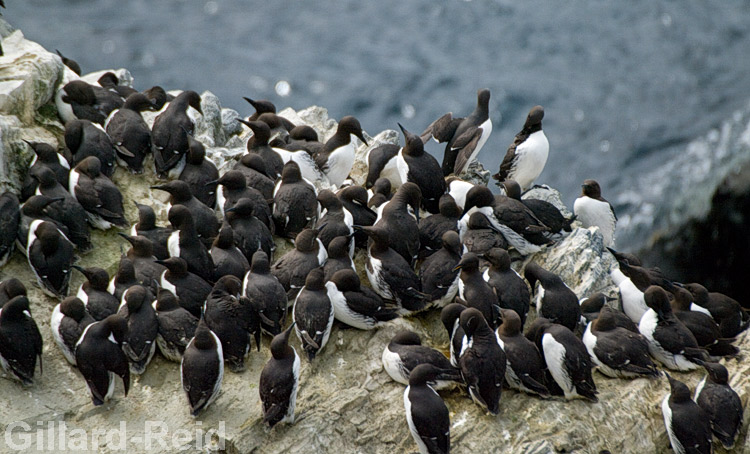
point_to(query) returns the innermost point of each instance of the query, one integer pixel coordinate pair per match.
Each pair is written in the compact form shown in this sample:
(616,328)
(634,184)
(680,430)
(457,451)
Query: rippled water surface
(621,82)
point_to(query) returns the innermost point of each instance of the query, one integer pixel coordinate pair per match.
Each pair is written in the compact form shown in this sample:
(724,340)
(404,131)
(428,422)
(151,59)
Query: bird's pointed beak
(361,136)
(403,130)
(127,237)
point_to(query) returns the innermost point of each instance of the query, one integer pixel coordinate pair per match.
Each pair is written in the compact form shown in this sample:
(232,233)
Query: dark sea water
(622,83)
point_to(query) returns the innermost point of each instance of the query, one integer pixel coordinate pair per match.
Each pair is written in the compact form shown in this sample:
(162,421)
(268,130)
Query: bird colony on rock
(207,286)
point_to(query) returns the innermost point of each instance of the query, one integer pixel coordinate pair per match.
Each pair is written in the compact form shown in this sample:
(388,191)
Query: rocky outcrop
(712,249)
(29,76)
(701,227)
(346,402)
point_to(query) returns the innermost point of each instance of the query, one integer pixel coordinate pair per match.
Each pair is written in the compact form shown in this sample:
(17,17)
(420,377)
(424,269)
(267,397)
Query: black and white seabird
(278,125)
(84,139)
(146,226)
(279,381)
(258,144)
(256,175)
(123,279)
(594,210)
(554,299)
(97,194)
(250,232)
(438,272)
(11,288)
(525,368)
(336,159)
(20,341)
(292,268)
(511,289)
(527,155)
(158,97)
(355,305)
(266,294)
(50,255)
(465,136)
(405,352)
(669,341)
(191,289)
(381,165)
(631,298)
(70,63)
(477,293)
(726,311)
(450,318)
(566,358)
(94,293)
(176,325)
(379,193)
(140,341)
(390,275)
(517,223)
(81,100)
(204,217)
(233,187)
(295,204)
(66,210)
(338,257)
(69,319)
(426,414)
(261,106)
(99,357)
(458,188)
(546,212)
(618,352)
(202,369)
(10,223)
(200,173)
(334,221)
(303,137)
(483,363)
(185,243)
(619,318)
(111,82)
(480,236)
(141,255)
(170,130)
(688,426)
(432,228)
(130,133)
(35,208)
(354,199)
(227,257)
(45,155)
(421,168)
(313,314)
(707,333)
(402,224)
(230,317)
(642,277)
(722,404)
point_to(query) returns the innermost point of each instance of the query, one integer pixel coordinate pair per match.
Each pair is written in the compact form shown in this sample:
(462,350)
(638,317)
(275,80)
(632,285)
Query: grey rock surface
(476,173)
(209,128)
(229,122)
(29,77)
(703,235)
(346,402)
